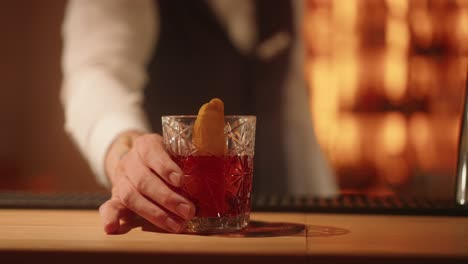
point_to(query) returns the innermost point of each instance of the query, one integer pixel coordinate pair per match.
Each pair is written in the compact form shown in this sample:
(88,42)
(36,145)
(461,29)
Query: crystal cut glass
(219,186)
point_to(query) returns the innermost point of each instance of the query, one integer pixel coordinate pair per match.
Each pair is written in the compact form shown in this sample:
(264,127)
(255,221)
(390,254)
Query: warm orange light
(317,31)
(461,30)
(397,34)
(393,134)
(348,143)
(421,22)
(395,171)
(345,14)
(324,97)
(368,57)
(347,70)
(419,131)
(395,76)
(420,136)
(397,8)
(423,74)
(462,3)
(397,41)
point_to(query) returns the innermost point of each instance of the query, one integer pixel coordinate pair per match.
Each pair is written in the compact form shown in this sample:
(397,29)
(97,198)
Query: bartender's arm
(107,45)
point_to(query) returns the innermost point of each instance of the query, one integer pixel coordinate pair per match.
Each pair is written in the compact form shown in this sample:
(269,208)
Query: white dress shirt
(107,45)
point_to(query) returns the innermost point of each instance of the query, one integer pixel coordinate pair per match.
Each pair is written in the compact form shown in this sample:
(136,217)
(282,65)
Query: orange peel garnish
(208,130)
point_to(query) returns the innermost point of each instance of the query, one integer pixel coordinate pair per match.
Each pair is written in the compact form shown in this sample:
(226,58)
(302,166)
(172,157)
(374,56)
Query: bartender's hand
(140,171)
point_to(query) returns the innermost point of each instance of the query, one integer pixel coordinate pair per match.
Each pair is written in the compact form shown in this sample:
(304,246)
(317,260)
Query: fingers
(151,186)
(151,151)
(112,211)
(133,200)
(140,180)
(155,189)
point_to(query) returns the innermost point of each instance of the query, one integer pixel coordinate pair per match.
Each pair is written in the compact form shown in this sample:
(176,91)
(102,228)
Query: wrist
(119,147)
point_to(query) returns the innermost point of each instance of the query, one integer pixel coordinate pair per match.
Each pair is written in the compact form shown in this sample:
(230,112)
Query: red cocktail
(218,186)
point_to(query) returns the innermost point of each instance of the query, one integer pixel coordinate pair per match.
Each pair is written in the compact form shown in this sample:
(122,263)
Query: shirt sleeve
(106,46)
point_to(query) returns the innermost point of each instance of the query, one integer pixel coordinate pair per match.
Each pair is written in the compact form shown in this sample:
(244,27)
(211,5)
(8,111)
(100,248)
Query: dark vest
(194,61)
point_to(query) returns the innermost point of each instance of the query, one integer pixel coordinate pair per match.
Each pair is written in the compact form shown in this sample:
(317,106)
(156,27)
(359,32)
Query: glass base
(213,225)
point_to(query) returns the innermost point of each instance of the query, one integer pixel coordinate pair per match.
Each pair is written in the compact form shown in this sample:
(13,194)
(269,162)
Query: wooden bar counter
(74,236)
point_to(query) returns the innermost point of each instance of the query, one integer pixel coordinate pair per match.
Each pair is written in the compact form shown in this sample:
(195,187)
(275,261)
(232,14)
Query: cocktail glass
(219,185)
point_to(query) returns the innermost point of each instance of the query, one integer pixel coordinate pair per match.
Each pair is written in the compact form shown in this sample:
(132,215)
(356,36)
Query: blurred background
(387,83)
(35,152)
(386,80)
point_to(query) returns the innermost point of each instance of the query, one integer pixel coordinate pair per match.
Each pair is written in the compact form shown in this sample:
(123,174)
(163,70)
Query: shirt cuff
(104,133)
